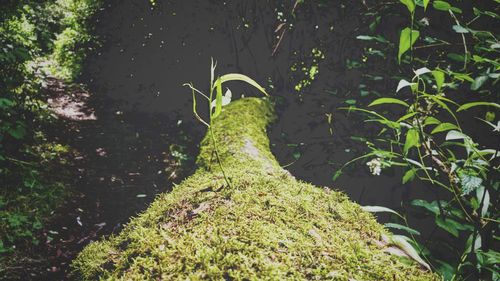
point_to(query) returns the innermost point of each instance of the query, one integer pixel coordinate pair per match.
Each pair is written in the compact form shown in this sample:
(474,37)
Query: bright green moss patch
(268,226)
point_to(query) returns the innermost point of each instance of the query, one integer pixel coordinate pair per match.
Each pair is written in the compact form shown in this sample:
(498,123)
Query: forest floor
(118,166)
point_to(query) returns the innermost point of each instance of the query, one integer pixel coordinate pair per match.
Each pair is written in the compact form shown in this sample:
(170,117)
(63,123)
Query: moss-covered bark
(268,225)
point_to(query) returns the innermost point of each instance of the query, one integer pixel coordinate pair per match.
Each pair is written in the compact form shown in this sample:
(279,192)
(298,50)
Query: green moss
(268,225)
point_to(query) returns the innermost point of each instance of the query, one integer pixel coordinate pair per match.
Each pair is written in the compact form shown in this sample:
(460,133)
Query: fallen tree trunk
(267,225)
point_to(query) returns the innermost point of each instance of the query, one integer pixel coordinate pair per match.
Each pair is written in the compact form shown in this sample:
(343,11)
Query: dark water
(142,109)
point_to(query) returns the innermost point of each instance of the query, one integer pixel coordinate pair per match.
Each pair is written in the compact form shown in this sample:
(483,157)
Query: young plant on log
(216,103)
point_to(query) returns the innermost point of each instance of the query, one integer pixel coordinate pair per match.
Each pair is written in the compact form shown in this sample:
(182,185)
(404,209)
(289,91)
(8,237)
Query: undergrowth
(439,125)
(38,39)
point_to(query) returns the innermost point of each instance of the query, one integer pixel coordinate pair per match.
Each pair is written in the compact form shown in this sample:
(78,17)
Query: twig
(431,45)
(463,39)
(279,42)
(20,161)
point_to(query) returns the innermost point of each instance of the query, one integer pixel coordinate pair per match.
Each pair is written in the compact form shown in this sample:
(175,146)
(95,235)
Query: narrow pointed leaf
(410,5)
(218,98)
(213,65)
(439,78)
(412,140)
(407,116)
(444,127)
(402,227)
(421,71)
(401,242)
(426,3)
(441,5)
(226,99)
(479,103)
(379,209)
(431,121)
(408,176)
(244,78)
(455,135)
(403,83)
(406,40)
(388,100)
(196,113)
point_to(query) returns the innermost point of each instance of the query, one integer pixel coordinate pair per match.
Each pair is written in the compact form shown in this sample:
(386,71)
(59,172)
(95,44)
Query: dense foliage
(442,127)
(37,39)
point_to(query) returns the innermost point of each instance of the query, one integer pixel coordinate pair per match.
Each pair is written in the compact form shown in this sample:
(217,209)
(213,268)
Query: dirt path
(121,161)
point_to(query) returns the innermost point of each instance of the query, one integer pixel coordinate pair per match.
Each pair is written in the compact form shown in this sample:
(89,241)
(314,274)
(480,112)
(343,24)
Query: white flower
(375,166)
(424,21)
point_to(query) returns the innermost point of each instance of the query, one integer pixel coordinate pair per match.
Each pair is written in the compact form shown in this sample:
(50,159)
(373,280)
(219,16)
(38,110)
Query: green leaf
(412,140)
(477,243)
(456,57)
(365,37)
(402,227)
(460,29)
(439,78)
(478,103)
(377,38)
(430,206)
(441,5)
(218,99)
(445,269)
(379,209)
(426,3)
(213,65)
(337,175)
(431,121)
(407,116)
(491,257)
(490,116)
(244,78)
(401,242)
(350,102)
(408,176)
(194,105)
(469,183)
(483,195)
(461,76)
(421,71)
(455,135)
(449,225)
(410,5)
(444,127)
(388,100)
(388,123)
(406,41)
(403,83)
(17,132)
(366,111)
(478,82)
(443,105)
(5,103)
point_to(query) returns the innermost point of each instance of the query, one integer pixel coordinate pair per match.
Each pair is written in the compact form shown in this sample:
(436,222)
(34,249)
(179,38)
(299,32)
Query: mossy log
(267,225)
